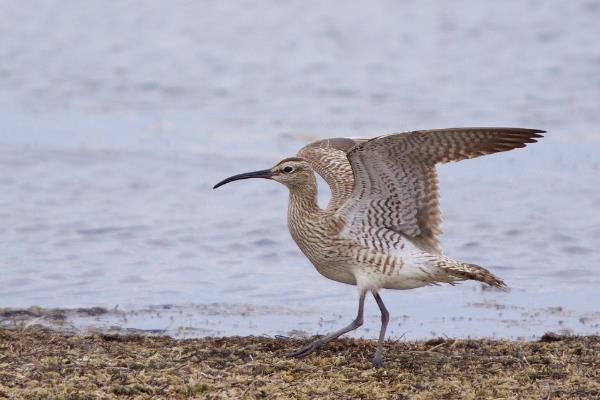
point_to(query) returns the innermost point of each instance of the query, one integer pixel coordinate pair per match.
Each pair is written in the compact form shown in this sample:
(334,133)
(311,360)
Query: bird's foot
(308,349)
(377,360)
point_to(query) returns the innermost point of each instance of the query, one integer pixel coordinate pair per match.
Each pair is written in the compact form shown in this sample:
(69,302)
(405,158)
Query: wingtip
(537,133)
(535,136)
(529,135)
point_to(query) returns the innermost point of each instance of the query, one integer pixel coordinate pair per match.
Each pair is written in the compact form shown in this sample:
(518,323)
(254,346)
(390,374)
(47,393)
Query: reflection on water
(110,147)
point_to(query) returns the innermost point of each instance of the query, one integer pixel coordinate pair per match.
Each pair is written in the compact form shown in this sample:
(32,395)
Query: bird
(381,226)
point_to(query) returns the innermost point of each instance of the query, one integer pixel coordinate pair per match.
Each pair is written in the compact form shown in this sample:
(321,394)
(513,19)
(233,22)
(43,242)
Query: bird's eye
(288,169)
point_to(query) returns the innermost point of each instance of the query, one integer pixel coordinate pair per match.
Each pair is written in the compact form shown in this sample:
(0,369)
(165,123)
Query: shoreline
(483,319)
(40,364)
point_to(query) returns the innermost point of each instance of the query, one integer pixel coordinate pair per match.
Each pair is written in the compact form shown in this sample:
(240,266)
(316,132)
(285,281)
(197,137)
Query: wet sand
(192,321)
(40,365)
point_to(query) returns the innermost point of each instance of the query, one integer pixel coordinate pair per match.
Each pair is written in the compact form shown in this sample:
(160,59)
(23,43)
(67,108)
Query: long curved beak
(265,173)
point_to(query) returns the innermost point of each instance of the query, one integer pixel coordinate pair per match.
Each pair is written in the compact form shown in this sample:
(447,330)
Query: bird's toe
(306,350)
(377,361)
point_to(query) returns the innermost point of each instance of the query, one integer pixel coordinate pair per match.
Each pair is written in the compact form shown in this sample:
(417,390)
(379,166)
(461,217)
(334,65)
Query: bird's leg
(358,321)
(385,318)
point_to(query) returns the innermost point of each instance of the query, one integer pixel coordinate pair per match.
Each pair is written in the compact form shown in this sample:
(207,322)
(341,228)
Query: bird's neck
(303,198)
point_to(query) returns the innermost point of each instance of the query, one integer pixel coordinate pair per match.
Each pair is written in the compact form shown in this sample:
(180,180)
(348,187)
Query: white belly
(412,268)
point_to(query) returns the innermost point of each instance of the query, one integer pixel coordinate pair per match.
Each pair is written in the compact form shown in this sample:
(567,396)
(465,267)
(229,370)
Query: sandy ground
(40,365)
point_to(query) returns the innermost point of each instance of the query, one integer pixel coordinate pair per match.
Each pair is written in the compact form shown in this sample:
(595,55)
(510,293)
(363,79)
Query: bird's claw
(377,361)
(306,350)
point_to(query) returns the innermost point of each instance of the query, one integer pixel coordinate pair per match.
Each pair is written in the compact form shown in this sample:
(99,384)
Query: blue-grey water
(118,117)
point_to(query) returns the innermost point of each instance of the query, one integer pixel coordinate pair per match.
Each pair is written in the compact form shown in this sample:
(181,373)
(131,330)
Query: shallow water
(118,119)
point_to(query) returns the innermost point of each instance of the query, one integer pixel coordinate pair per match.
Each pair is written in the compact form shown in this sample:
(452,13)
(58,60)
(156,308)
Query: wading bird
(380,229)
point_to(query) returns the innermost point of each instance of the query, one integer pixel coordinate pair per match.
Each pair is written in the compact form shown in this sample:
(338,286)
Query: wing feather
(328,158)
(395,181)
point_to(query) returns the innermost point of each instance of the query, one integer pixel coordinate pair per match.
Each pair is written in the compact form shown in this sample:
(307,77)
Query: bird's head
(292,172)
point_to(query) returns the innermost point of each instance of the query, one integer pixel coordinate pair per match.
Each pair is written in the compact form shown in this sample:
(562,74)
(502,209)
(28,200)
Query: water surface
(117,119)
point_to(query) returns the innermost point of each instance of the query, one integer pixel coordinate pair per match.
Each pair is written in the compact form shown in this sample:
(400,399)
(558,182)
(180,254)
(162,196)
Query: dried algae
(43,365)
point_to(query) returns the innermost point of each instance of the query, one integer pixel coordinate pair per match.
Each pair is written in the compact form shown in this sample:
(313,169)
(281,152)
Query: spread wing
(395,185)
(328,158)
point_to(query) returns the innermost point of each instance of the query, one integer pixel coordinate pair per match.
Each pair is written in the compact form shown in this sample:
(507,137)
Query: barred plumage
(381,226)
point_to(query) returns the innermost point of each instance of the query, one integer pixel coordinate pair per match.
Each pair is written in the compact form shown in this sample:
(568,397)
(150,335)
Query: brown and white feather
(381,226)
(328,158)
(395,182)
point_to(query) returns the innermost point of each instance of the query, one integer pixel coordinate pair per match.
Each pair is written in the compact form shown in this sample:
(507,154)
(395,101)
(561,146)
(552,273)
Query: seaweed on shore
(41,365)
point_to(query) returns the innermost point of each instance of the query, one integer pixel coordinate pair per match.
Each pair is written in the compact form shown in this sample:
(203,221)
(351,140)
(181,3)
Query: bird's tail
(464,271)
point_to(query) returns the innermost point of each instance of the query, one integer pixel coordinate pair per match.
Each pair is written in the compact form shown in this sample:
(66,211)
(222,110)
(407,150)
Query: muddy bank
(36,364)
(191,321)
